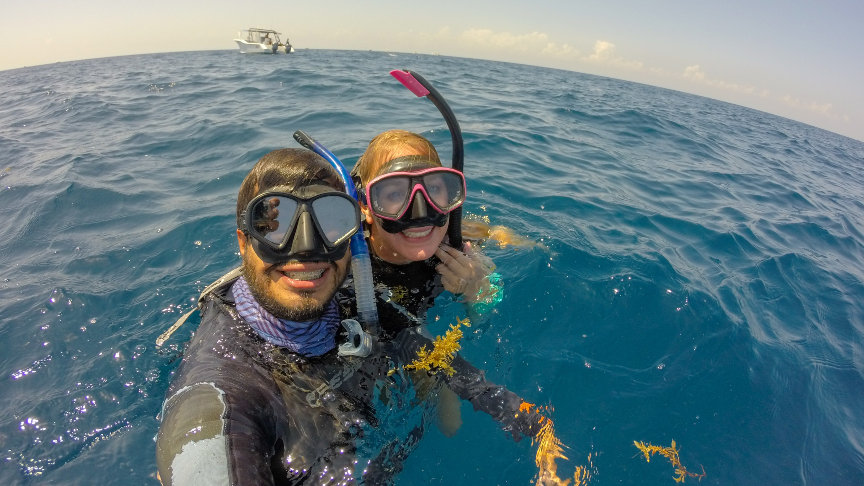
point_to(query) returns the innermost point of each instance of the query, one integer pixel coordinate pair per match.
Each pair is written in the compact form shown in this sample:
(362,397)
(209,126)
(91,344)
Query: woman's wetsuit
(405,292)
(242,411)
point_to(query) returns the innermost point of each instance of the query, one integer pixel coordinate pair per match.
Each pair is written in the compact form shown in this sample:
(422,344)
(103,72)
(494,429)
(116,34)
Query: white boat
(261,41)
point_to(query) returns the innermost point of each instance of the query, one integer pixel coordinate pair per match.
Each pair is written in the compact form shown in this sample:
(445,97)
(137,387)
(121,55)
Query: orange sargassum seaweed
(550,448)
(670,453)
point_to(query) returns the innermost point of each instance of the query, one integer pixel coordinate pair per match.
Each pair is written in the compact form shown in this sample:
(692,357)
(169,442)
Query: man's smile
(302,276)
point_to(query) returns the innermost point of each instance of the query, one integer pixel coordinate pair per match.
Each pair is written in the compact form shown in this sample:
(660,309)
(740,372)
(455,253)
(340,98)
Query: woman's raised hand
(463,273)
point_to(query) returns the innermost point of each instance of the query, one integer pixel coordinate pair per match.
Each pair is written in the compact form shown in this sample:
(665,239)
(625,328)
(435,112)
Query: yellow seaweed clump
(550,448)
(479,228)
(443,351)
(670,453)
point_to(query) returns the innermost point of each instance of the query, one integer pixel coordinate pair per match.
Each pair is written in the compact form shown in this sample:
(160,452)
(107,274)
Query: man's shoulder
(220,288)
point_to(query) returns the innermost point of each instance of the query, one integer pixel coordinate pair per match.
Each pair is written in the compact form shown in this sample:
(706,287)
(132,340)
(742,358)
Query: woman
(406,199)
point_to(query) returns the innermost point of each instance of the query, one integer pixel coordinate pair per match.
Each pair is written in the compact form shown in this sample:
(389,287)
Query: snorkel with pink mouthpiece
(422,88)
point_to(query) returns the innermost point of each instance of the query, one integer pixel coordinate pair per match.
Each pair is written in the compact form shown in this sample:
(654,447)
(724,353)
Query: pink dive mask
(390,196)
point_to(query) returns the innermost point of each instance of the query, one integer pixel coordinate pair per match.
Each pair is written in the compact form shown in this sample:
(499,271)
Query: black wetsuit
(405,292)
(241,411)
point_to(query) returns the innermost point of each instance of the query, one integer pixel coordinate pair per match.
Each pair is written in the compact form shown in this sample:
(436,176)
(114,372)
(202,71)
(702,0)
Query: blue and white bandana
(310,338)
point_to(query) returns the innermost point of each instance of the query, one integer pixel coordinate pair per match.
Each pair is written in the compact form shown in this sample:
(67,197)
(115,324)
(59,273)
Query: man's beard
(306,310)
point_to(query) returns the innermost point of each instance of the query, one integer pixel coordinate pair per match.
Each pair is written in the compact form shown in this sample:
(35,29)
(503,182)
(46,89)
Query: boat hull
(255,48)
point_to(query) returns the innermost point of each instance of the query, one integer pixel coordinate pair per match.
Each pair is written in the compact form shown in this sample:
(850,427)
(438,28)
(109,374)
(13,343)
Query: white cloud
(444,33)
(604,52)
(535,42)
(793,102)
(504,40)
(695,73)
(821,108)
(565,50)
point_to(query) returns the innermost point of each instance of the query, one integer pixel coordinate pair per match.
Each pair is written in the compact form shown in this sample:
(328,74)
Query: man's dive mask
(313,223)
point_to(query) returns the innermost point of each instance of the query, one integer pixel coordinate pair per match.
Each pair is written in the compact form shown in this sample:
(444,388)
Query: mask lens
(389,196)
(272,217)
(444,189)
(336,217)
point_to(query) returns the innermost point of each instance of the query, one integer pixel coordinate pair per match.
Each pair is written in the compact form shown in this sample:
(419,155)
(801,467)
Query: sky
(802,60)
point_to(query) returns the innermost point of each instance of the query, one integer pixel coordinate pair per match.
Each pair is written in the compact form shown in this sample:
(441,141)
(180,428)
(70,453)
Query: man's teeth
(416,234)
(312,275)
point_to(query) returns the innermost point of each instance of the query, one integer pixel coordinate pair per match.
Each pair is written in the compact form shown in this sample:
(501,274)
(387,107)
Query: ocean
(691,270)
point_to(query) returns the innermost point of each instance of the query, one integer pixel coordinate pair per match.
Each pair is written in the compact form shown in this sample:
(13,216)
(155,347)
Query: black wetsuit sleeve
(470,384)
(219,424)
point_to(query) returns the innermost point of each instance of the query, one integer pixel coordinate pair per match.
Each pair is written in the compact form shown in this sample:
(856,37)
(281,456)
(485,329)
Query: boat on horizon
(259,41)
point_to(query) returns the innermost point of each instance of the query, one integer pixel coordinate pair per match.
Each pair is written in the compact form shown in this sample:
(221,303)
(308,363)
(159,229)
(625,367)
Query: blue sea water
(702,281)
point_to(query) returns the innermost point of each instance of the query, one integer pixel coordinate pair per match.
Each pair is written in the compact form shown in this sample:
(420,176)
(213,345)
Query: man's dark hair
(290,167)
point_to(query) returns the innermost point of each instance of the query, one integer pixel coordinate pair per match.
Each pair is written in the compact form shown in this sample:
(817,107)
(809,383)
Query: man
(262,395)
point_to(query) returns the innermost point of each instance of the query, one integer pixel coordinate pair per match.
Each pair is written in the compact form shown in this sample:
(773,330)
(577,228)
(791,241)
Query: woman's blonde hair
(388,146)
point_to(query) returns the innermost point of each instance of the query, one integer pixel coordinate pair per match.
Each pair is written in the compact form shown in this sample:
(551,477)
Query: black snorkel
(422,88)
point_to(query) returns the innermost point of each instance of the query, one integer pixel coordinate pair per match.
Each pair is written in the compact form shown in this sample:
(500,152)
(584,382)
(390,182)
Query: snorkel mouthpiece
(407,78)
(359,342)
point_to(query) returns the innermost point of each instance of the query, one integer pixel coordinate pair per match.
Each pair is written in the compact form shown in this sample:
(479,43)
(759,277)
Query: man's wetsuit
(242,411)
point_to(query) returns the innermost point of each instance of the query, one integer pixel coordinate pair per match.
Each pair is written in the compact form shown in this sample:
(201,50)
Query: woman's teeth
(312,275)
(416,234)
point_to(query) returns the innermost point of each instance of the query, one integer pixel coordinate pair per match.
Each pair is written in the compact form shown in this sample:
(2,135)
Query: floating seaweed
(479,228)
(443,351)
(670,453)
(550,448)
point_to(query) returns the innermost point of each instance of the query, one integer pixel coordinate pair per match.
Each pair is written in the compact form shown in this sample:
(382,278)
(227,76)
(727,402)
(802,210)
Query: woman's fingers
(454,259)
(453,284)
(462,273)
(469,250)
